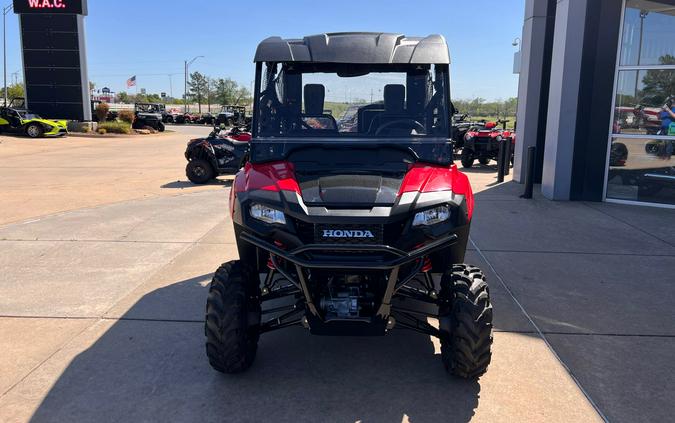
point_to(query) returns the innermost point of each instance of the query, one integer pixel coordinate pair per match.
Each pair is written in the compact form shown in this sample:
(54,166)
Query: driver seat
(314,96)
(13,118)
(394,107)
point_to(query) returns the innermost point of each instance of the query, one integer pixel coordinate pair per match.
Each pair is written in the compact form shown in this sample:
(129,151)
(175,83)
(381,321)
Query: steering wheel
(306,125)
(412,123)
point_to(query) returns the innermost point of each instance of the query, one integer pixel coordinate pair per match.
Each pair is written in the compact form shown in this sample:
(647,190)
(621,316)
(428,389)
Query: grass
(337,109)
(116,127)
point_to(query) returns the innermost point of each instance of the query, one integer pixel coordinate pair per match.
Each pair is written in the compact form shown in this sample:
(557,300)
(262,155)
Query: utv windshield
(149,108)
(353,100)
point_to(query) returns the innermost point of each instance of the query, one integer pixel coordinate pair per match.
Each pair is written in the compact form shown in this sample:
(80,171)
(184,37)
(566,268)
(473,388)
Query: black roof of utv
(355,47)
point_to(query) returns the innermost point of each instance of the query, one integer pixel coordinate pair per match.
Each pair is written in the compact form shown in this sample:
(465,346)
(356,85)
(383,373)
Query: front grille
(305,231)
(353,234)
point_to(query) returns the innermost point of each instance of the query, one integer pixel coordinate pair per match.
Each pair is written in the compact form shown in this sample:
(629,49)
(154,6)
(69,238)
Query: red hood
(241,137)
(421,178)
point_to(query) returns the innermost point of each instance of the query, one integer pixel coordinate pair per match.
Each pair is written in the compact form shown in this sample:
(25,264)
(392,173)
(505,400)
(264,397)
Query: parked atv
(618,154)
(232,116)
(170,116)
(351,233)
(207,119)
(461,124)
(17,119)
(187,118)
(150,115)
(482,144)
(221,153)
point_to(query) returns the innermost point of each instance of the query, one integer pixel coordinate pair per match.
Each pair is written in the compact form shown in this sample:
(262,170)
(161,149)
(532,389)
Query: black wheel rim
(199,171)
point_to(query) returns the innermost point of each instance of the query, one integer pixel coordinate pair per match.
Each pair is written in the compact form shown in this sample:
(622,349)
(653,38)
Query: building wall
(565,94)
(533,87)
(594,112)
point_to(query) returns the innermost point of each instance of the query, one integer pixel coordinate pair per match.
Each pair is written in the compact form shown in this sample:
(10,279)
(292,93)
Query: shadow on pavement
(597,279)
(139,369)
(225,183)
(479,168)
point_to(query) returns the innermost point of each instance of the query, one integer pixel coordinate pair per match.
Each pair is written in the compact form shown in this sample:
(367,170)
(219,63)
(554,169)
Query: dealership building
(597,100)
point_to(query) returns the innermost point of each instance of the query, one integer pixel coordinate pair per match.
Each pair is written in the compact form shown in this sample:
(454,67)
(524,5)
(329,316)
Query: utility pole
(208,94)
(643,15)
(5,11)
(170,84)
(187,66)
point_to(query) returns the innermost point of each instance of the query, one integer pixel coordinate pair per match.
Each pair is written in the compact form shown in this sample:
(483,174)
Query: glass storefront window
(648,34)
(642,169)
(642,148)
(645,102)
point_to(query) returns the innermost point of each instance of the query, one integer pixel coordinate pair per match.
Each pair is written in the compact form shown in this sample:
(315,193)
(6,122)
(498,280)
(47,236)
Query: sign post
(54,57)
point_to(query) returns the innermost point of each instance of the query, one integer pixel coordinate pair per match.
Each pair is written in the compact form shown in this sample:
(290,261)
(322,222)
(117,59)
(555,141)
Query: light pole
(516,42)
(187,65)
(5,11)
(170,85)
(643,15)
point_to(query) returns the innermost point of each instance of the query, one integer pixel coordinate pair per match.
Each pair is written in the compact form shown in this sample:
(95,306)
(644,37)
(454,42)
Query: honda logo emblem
(339,233)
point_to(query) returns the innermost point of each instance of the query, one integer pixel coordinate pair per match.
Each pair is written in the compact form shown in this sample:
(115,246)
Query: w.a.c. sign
(73,7)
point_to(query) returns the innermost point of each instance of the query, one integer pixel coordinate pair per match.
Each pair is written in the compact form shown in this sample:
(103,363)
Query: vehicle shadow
(225,183)
(478,168)
(150,365)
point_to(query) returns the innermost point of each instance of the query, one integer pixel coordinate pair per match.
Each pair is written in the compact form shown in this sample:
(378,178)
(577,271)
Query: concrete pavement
(101,308)
(596,280)
(133,347)
(46,176)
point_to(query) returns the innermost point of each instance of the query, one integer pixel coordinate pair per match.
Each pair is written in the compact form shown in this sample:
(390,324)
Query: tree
(153,98)
(16,90)
(123,97)
(243,95)
(198,87)
(658,85)
(226,91)
(102,111)
(479,107)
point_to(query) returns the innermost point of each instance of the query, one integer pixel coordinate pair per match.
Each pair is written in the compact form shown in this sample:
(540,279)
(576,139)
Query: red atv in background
(483,143)
(221,153)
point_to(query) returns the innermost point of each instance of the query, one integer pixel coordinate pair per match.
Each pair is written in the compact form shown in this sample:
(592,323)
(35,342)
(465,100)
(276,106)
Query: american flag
(131,82)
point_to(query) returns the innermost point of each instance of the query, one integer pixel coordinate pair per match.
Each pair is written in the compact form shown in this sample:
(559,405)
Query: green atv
(16,119)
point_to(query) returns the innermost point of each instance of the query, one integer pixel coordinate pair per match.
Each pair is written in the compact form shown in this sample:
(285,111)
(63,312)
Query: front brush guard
(392,259)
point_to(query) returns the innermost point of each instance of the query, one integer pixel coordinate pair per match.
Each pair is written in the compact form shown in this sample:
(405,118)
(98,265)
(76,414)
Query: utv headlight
(267,214)
(432,216)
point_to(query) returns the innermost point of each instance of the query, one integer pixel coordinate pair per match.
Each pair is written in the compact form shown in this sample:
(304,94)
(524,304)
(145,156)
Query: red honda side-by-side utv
(353,229)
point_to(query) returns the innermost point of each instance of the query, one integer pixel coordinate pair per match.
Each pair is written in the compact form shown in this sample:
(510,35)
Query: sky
(152,38)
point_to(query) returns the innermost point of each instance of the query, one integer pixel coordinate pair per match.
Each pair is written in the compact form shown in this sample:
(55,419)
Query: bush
(102,111)
(102,131)
(81,127)
(115,127)
(127,116)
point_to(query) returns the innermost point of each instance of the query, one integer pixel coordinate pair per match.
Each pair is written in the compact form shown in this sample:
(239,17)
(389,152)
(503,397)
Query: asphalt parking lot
(105,257)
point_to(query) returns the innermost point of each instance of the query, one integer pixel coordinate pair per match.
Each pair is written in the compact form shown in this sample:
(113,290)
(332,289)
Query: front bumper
(391,257)
(56,132)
